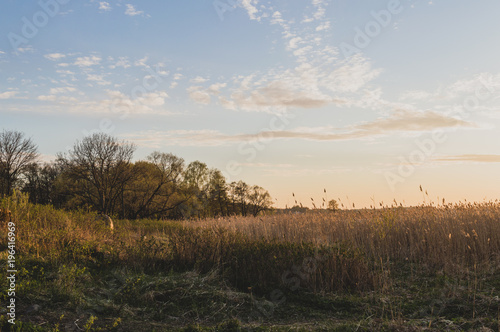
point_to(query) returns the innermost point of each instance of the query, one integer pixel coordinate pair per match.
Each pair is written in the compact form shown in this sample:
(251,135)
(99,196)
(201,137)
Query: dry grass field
(453,238)
(394,268)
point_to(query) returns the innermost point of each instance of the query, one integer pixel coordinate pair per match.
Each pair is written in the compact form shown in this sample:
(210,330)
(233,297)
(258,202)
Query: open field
(420,268)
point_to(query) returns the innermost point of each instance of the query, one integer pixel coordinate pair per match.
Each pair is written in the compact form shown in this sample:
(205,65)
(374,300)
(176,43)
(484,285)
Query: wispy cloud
(65,89)
(132,11)
(323,26)
(142,62)
(76,86)
(471,86)
(199,79)
(121,62)
(249,6)
(309,85)
(319,76)
(65,72)
(404,120)
(67,100)
(8,94)
(104,6)
(399,122)
(99,79)
(47,98)
(214,89)
(157,139)
(88,61)
(117,101)
(27,49)
(199,95)
(264,165)
(303,172)
(320,6)
(55,56)
(415,95)
(477,158)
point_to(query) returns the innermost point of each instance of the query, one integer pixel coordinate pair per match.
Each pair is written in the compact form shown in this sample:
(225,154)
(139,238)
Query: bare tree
(16,154)
(100,166)
(156,187)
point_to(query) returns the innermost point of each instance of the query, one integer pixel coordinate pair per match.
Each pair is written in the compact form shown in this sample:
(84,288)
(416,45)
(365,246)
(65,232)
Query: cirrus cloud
(401,121)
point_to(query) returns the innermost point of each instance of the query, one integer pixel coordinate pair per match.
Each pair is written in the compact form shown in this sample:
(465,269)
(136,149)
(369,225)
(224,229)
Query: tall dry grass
(53,237)
(455,237)
(320,250)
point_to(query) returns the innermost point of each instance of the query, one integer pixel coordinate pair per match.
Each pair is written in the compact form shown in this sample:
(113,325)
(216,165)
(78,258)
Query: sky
(365,99)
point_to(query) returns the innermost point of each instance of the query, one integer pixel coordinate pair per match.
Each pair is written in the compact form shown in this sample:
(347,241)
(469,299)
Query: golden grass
(347,249)
(452,237)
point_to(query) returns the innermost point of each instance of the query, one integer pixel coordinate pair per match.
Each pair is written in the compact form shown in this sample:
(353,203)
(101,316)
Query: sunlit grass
(71,258)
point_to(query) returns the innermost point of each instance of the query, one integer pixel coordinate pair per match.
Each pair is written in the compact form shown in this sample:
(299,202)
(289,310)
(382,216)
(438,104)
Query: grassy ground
(433,269)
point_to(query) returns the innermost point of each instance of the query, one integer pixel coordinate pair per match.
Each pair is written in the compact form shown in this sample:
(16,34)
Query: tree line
(99,174)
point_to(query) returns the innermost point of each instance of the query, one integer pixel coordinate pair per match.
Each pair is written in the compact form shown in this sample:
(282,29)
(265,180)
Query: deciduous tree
(100,166)
(259,200)
(156,188)
(17,153)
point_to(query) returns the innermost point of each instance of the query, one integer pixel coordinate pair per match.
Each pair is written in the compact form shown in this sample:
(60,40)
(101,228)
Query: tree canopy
(98,173)
(16,155)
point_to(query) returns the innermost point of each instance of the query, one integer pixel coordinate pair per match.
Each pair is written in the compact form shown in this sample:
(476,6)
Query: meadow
(429,267)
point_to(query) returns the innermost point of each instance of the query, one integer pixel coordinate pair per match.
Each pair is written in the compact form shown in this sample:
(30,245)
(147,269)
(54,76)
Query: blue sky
(368,99)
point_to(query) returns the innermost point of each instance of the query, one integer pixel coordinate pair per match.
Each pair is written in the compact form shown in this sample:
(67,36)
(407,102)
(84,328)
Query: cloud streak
(399,122)
(476,158)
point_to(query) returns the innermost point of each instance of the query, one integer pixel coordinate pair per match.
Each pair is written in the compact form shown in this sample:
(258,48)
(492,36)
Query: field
(430,268)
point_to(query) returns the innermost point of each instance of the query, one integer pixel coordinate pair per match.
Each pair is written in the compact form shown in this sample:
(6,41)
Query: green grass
(75,275)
